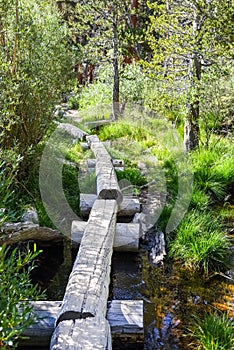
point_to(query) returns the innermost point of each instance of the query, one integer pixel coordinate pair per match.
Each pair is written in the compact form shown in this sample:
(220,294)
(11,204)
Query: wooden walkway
(84,320)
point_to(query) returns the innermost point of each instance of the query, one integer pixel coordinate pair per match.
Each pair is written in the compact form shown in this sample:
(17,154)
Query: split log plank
(97,123)
(124,316)
(126,236)
(87,290)
(74,131)
(128,207)
(82,334)
(107,183)
(91,163)
(21,232)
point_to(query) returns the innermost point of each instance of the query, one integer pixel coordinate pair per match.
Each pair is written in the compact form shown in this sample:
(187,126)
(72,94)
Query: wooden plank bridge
(85,319)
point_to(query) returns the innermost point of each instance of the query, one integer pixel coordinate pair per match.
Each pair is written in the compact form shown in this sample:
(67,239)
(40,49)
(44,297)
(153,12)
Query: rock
(30,216)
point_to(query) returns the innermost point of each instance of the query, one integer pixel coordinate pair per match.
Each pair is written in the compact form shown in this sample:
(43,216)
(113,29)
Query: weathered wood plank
(124,316)
(91,163)
(97,123)
(87,290)
(74,131)
(83,334)
(126,236)
(107,183)
(21,232)
(128,207)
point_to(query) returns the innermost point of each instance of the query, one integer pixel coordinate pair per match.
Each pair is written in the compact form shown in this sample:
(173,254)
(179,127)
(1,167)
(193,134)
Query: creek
(172,295)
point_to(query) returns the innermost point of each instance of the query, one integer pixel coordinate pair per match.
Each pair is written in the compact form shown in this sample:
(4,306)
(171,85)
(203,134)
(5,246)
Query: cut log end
(111,194)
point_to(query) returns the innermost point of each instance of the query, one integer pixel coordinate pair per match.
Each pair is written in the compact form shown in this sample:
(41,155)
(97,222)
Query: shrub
(9,163)
(214,332)
(34,65)
(16,291)
(200,243)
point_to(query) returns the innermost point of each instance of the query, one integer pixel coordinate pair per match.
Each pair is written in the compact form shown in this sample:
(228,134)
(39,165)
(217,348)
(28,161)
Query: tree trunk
(115,96)
(191,127)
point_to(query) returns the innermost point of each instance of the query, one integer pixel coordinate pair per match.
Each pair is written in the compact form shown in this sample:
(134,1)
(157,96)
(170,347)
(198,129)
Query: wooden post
(126,236)
(128,207)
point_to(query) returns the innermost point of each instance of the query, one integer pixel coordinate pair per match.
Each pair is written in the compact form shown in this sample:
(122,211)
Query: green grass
(214,169)
(124,129)
(214,332)
(133,175)
(199,200)
(200,244)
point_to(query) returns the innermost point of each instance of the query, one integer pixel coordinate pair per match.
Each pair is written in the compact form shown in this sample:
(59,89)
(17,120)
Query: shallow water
(171,294)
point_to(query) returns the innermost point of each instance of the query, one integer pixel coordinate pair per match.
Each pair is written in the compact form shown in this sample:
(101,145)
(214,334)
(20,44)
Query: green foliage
(71,186)
(124,129)
(16,291)
(9,164)
(87,183)
(34,62)
(133,175)
(214,168)
(74,154)
(214,332)
(199,200)
(94,94)
(190,40)
(200,243)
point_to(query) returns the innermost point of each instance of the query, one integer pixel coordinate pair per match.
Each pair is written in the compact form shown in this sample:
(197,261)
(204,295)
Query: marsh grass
(124,129)
(200,200)
(214,169)
(214,332)
(200,244)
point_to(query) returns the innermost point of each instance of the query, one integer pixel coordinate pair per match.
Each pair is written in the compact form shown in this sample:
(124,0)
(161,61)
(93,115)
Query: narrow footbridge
(85,319)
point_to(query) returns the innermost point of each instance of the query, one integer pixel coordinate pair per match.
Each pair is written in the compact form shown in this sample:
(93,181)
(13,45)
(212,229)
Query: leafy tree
(106,32)
(34,65)
(188,38)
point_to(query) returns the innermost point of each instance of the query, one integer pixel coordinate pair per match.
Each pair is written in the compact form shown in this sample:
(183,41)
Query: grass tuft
(214,332)
(200,243)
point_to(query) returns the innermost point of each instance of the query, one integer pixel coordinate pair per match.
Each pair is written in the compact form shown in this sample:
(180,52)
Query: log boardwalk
(83,320)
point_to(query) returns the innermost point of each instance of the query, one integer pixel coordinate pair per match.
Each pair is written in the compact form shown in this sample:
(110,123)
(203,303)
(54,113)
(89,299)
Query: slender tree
(187,37)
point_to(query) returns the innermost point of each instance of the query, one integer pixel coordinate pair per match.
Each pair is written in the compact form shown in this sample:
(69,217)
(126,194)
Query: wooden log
(21,232)
(126,236)
(84,146)
(128,207)
(82,334)
(124,316)
(97,123)
(87,290)
(74,131)
(107,183)
(91,163)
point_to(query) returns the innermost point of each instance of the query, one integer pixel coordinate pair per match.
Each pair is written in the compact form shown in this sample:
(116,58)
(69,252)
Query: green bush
(16,291)
(214,332)
(34,65)
(200,243)
(9,165)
